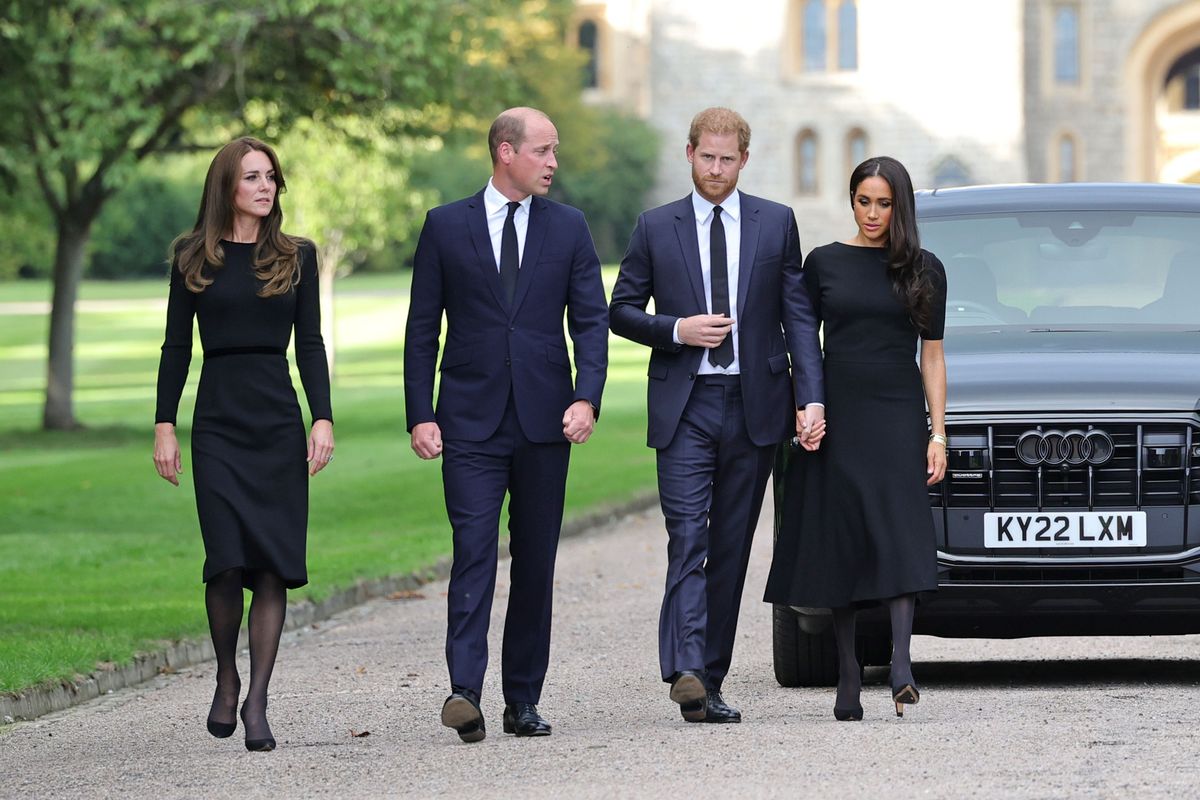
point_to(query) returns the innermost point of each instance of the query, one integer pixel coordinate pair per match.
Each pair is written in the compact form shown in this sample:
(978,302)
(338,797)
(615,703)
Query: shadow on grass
(84,438)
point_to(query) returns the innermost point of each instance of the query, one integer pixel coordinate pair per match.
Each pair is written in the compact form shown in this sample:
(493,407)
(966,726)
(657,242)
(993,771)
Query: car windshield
(1069,269)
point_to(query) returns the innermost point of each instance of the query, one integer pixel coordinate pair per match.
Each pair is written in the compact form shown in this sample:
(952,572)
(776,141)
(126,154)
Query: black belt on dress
(218,352)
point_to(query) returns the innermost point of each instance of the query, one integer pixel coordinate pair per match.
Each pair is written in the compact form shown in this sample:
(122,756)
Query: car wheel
(802,659)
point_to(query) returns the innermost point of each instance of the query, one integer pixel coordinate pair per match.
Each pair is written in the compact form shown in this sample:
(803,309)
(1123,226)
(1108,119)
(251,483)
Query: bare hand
(320,446)
(935,458)
(427,440)
(810,426)
(167,459)
(704,330)
(578,422)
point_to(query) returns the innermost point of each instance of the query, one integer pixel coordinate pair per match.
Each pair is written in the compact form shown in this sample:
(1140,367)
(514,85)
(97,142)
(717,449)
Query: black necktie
(510,257)
(722,354)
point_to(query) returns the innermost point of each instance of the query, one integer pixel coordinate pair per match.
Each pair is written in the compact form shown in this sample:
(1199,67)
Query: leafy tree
(350,199)
(91,88)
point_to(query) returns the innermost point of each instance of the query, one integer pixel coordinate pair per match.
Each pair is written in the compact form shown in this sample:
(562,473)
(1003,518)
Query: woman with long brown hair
(250,286)
(856,527)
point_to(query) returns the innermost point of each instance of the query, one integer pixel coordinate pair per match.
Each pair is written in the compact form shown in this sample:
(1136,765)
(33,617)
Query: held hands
(579,421)
(320,446)
(935,458)
(704,330)
(167,459)
(427,440)
(810,426)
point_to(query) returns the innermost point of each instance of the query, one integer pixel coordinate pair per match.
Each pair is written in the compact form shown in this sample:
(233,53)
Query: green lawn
(100,558)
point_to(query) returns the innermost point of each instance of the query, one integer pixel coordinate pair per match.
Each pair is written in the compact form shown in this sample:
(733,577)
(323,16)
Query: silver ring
(328,459)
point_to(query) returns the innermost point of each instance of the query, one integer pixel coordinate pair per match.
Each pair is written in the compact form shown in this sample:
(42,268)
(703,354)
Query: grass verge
(100,558)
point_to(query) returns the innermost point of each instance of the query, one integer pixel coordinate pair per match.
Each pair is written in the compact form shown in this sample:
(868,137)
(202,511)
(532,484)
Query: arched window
(1067,156)
(806,162)
(814,35)
(848,35)
(1066,43)
(856,149)
(951,172)
(589,40)
(1191,89)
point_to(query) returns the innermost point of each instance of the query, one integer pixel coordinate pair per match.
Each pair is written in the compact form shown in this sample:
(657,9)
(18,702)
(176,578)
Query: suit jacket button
(512,328)
(691,376)
(508,362)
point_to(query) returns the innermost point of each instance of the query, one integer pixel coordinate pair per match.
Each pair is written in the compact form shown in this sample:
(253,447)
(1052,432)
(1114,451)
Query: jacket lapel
(748,250)
(477,225)
(685,228)
(535,237)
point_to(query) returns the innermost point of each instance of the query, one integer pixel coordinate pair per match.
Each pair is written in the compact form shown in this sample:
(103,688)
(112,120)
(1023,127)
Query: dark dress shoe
(687,689)
(461,712)
(717,711)
(523,719)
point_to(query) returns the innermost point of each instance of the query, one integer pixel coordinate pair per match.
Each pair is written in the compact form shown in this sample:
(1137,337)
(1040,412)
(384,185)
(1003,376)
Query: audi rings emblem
(1065,448)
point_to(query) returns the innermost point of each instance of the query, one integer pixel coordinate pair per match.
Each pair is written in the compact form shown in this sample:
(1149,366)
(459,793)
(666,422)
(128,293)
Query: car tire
(802,659)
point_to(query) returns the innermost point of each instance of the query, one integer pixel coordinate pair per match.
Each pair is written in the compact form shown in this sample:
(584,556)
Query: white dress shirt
(496,207)
(731,219)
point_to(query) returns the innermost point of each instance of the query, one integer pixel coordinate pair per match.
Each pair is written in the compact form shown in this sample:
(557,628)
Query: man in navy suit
(731,312)
(504,265)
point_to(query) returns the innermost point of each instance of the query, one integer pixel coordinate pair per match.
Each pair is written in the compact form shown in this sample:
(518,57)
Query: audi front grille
(1151,464)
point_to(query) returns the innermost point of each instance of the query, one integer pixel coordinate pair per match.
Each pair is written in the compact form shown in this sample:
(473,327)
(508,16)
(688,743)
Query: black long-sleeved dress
(248,436)
(855,524)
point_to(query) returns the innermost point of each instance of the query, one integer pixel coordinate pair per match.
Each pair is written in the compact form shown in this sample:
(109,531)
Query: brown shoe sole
(459,714)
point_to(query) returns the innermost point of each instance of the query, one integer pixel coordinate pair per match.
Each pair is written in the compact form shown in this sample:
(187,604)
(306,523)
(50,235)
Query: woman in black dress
(249,285)
(857,528)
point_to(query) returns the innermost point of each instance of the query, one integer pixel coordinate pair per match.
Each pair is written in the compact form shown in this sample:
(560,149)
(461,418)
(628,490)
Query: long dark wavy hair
(198,252)
(906,266)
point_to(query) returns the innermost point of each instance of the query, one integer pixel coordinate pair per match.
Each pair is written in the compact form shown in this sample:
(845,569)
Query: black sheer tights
(268,607)
(849,673)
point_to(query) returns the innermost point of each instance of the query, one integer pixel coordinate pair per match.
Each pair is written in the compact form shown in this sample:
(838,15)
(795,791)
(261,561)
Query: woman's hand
(320,446)
(810,426)
(935,460)
(167,459)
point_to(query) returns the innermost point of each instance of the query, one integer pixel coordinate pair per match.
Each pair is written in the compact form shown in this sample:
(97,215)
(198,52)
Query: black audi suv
(1071,503)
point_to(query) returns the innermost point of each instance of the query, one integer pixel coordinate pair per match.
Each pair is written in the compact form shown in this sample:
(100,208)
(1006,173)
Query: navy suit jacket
(493,348)
(775,316)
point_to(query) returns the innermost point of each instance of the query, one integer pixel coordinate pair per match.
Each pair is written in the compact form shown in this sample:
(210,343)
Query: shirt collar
(730,207)
(494,202)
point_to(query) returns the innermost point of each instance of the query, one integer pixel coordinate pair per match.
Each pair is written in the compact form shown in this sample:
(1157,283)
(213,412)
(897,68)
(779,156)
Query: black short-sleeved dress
(855,525)
(248,436)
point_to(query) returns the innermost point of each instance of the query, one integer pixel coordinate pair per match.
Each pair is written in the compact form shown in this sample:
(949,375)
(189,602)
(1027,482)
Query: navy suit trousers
(477,475)
(711,480)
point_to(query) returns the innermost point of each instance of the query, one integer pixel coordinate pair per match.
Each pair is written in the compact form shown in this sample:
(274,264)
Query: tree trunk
(331,254)
(73,234)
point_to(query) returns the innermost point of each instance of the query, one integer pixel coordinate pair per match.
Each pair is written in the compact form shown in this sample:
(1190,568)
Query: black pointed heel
(852,714)
(905,693)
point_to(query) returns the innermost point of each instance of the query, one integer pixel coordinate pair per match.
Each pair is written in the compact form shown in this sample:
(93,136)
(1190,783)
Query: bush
(132,234)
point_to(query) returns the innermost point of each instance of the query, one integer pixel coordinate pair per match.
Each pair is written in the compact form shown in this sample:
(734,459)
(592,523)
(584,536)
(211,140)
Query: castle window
(848,35)
(1068,159)
(814,36)
(806,162)
(951,172)
(1066,43)
(589,40)
(856,149)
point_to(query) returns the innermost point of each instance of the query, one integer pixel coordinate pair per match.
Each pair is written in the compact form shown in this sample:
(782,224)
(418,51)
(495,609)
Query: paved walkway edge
(45,699)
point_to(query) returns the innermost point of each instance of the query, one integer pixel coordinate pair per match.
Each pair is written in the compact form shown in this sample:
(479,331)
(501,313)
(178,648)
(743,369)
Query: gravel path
(1036,718)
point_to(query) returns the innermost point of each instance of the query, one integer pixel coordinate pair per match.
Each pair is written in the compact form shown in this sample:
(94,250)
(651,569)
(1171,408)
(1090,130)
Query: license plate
(1066,529)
